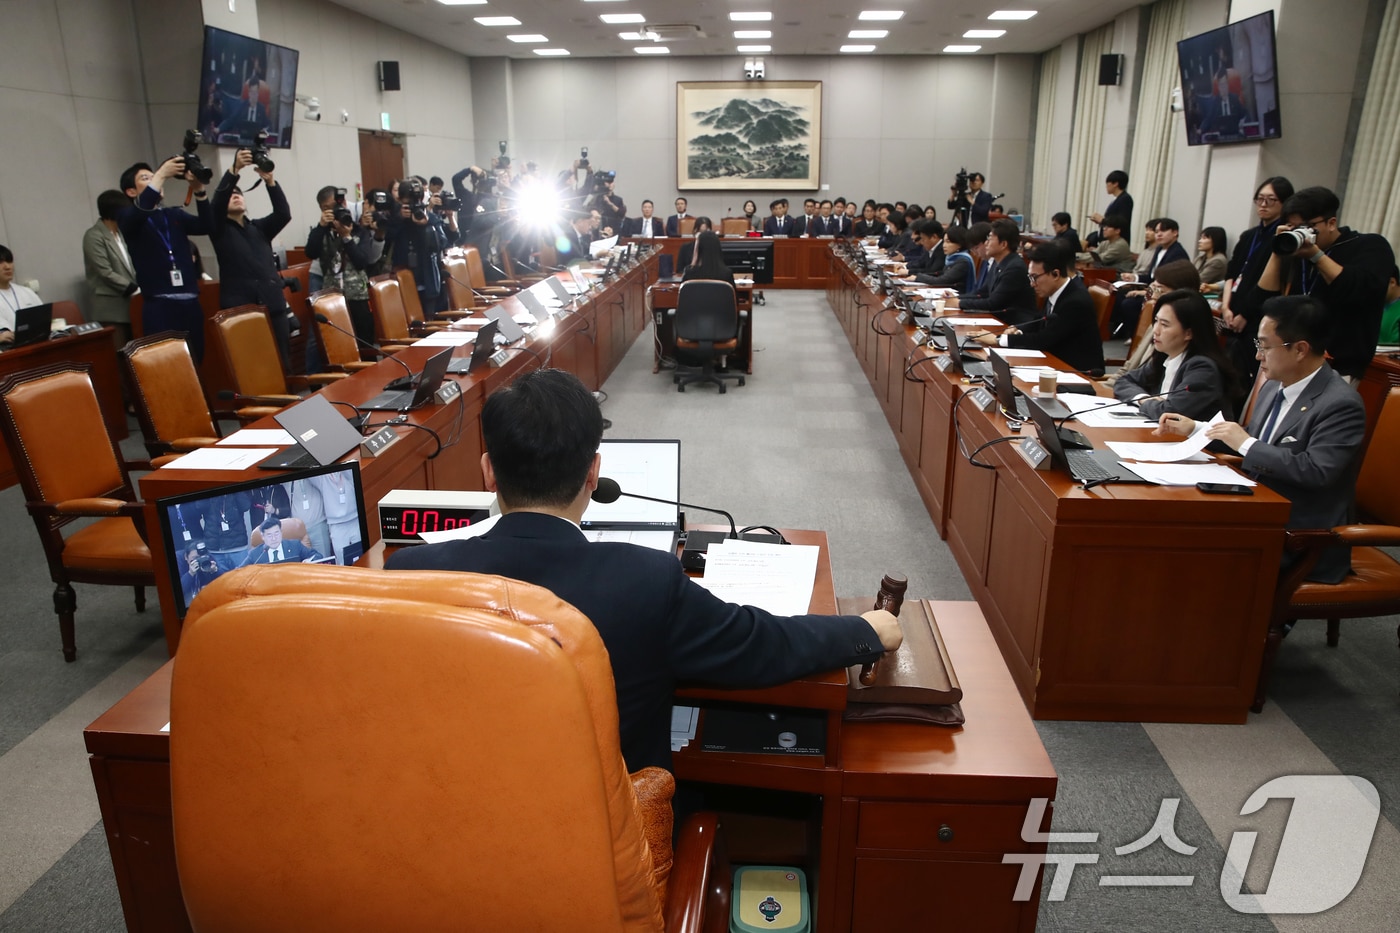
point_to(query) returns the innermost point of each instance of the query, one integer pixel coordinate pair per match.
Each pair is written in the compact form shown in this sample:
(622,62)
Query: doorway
(381,158)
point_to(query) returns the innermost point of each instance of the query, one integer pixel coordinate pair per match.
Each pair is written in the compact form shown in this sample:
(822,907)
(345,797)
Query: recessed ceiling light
(550,51)
(616,19)
(750,16)
(462,2)
(984,33)
(498,21)
(857,48)
(1012,14)
(652,50)
(867,34)
(755,48)
(599,1)
(961,49)
(528,37)
(753,34)
(881,14)
(631,36)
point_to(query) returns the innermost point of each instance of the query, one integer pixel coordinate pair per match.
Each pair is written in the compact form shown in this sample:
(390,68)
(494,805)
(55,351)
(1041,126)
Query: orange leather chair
(476,276)
(70,468)
(391,325)
(733,226)
(1373,587)
(253,362)
(293,529)
(164,388)
(342,352)
(446,757)
(413,305)
(459,288)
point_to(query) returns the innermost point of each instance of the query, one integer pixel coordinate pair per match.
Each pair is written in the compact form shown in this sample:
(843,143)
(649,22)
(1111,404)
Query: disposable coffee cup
(938,304)
(1049,382)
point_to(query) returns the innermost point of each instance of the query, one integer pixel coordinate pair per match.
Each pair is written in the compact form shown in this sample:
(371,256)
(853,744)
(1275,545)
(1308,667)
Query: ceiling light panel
(618,19)
(857,48)
(498,21)
(753,34)
(1012,14)
(750,16)
(867,34)
(652,50)
(881,14)
(750,49)
(984,33)
(551,52)
(961,49)
(527,37)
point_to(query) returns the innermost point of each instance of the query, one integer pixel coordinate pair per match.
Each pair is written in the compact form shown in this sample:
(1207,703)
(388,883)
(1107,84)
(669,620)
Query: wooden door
(381,159)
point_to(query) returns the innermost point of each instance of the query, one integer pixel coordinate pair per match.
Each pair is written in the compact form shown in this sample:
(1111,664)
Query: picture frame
(748,136)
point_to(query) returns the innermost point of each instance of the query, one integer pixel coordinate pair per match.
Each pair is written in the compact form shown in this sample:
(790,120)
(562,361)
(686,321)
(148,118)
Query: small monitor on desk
(647,468)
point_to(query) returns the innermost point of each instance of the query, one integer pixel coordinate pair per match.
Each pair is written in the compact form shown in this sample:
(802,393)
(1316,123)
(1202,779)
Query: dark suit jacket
(843,225)
(824,226)
(578,246)
(1070,331)
(1313,458)
(659,626)
(800,224)
(1207,395)
(930,262)
(874,227)
(1172,253)
(1007,288)
(774,226)
(292,552)
(673,224)
(633,226)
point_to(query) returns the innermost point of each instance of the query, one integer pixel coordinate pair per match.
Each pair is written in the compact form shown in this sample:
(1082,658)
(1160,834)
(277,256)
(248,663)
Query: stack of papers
(775,577)
(1189,474)
(1189,448)
(447,338)
(1095,412)
(684,719)
(221,458)
(973,321)
(258,437)
(1032,374)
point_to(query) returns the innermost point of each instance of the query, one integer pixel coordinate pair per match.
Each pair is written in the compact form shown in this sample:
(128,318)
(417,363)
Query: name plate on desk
(942,363)
(1030,450)
(980,397)
(379,441)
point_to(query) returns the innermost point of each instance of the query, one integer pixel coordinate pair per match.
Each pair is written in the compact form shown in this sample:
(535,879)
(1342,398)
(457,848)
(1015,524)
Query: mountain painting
(741,135)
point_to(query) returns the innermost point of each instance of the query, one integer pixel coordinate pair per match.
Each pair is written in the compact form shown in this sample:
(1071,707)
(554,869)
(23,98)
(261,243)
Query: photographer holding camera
(469,197)
(248,272)
(969,203)
(342,252)
(419,235)
(157,238)
(609,205)
(1347,271)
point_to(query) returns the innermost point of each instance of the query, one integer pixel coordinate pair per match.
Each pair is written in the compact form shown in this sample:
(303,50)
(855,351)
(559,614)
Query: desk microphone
(1193,387)
(696,542)
(403,382)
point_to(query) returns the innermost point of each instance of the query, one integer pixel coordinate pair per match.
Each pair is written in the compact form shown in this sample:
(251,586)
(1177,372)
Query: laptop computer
(963,363)
(647,468)
(561,291)
(320,433)
(1086,466)
(33,324)
(425,385)
(533,304)
(482,348)
(510,330)
(1012,402)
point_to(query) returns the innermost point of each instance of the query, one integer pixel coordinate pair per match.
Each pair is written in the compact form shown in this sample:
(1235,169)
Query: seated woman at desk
(687,253)
(751,215)
(709,260)
(1186,361)
(959,269)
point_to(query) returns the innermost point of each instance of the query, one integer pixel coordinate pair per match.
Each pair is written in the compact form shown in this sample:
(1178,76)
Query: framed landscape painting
(747,135)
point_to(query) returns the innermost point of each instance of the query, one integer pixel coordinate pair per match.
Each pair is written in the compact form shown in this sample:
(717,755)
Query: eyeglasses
(1037,276)
(1266,201)
(1260,347)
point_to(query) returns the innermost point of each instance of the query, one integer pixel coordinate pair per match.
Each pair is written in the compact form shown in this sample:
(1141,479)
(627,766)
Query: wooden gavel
(890,598)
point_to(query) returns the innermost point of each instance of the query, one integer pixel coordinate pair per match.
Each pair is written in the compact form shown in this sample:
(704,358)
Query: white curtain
(1157,129)
(1084,195)
(1041,209)
(1373,186)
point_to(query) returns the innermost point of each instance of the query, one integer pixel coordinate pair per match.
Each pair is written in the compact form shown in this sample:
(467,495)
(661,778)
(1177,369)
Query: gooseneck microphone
(1192,387)
(403,382)
(609,491)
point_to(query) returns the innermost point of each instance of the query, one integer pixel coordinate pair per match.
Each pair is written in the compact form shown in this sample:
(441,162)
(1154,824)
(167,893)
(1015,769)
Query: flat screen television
(208,533)
(246,85)
(1229,83)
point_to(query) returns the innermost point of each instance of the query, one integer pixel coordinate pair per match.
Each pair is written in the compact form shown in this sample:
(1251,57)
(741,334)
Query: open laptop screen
(648,468)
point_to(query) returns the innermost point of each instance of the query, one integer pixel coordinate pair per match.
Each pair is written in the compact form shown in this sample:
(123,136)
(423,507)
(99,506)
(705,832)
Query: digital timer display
(403,524)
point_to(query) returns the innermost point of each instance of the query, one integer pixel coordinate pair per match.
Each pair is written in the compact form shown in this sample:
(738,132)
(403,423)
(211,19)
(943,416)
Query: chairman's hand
(1173,424)
(1229,433)
(886,627)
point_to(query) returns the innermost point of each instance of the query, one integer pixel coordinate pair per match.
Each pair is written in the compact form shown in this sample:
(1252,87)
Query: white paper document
(973,321)
(221,458)
(1189,474)
(1032,374)
(257,437)
(775,577)
(1093,411)
(656,540)
(458,534)
(1011,354)
(446,338)
(1167,453)
(599,247)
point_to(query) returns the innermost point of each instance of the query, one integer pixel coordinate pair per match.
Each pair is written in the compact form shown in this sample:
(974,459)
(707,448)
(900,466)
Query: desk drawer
(963,827)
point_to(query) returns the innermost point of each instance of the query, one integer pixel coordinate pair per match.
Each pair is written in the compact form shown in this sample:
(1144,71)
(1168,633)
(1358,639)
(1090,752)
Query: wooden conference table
(798,262)
(896,824)
(1122,602)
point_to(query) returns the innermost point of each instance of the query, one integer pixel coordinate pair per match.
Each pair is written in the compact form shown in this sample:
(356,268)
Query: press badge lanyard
(1253,245)
(184,530)
(177,278)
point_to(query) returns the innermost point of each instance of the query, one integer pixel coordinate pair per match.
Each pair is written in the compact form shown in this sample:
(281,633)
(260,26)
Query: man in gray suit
(1306,428)
(111,278)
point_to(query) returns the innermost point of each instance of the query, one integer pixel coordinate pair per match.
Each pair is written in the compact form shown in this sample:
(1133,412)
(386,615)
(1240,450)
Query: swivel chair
(707,327)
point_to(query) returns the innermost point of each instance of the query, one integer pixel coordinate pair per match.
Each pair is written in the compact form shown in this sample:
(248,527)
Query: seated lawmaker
(1306,429)
(687,253)
(1187,362)
(931,257)
(709,260)
(959,267)
(12,296)
(645,226)
(869,224)
(1070,328)
(1006,290)
(778,223)
(274,550)
(659,626)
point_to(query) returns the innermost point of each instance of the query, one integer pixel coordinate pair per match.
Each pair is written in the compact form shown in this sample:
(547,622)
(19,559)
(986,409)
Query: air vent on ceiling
(671,32)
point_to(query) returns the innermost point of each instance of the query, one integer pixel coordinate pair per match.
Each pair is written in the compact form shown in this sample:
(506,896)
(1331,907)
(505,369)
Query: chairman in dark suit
(572,246)
(1305,432)
(274,550)
(659,626)
(1005,290)
(673,223)
(778,223)
(1070,328)
(644,226)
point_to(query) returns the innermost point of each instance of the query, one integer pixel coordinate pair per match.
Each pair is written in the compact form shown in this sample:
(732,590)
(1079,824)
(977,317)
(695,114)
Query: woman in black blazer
(709,260)
(1186,361)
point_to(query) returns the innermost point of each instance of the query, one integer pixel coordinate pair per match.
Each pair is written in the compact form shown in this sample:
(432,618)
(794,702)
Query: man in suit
(840,223)
(778,223)
(1166,250)
(659,626)
(646,225)
(1065,234)
(1005,290)
(823,223)
(1070,328)
(575,239)
(111,278)
(673,223)
(1121,206)
(802,226)
(932,259)
(1306,429)
(274,550)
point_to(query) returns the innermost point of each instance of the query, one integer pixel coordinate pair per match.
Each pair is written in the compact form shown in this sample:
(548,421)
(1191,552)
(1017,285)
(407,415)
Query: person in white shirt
(1187,362)
(646,225)
(12,296)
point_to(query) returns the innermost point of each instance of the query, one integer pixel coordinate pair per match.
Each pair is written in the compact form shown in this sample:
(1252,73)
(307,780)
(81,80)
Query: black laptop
(1013,404)
(321,436)
(425,385)
(1086,466)
(33,324)
(963,363)
(482,348)
(511,331)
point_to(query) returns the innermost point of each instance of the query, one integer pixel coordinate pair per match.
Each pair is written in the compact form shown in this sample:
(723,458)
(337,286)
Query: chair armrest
(1368,535)
(323,379)
(701,881)
(357,365)
(96,507)
(1308,544)
(254,412)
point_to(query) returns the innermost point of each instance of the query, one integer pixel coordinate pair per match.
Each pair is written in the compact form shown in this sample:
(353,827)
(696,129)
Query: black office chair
(707,327)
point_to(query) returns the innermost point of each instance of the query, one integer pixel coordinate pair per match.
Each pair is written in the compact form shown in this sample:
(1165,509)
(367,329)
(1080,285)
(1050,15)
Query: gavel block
(919,672)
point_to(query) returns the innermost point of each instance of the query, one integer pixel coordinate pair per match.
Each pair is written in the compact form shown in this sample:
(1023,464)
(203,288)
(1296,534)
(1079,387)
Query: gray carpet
(804,445)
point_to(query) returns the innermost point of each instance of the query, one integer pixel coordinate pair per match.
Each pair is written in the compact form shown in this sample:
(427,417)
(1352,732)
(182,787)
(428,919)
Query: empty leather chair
(391,326)
(342,351)
(254,365)
(707,328)
(164,388)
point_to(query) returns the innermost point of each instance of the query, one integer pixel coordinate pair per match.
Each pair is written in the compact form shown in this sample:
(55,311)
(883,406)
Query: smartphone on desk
(1225,489)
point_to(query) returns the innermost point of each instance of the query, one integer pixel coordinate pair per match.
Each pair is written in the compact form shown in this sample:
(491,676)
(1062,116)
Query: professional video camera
(411,193)
(258,151)
(1290,241)
(583,158)
(196,169)
(601,180)
(960,183)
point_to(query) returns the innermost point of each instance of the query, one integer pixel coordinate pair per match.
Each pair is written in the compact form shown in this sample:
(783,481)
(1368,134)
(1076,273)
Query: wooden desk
(798,262)
(1129,603)
(876,802)
(664,296)
(95,349)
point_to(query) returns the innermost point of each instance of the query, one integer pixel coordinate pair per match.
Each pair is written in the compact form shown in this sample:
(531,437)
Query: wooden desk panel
(800,262)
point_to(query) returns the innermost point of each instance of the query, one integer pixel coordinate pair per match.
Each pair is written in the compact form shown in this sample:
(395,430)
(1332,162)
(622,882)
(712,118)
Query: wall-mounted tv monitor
(319,516)
(1229,83)
(246,85)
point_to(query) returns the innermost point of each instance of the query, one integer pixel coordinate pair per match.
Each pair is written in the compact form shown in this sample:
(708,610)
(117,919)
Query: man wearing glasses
(1306,428)
(1344,270)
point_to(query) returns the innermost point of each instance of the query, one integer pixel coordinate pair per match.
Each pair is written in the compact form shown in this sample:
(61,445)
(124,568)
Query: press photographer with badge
(158,240)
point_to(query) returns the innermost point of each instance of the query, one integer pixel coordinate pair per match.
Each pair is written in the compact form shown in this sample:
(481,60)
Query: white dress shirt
(1290,398)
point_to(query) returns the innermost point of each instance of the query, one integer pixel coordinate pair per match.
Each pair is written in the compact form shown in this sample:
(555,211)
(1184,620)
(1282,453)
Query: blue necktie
(1274,409)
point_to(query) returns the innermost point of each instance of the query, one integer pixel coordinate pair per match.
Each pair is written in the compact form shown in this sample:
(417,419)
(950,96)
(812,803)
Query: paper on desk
(1092,411)
(1011,354)
(1032,374)
(460,534)
(1167,453)
(684,720)
(1189,474)
(256,437)
(221,458)
(743,283)
(973,321)
(447,338)
(165,728)
(599,247)
(656,540)
(775,577)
